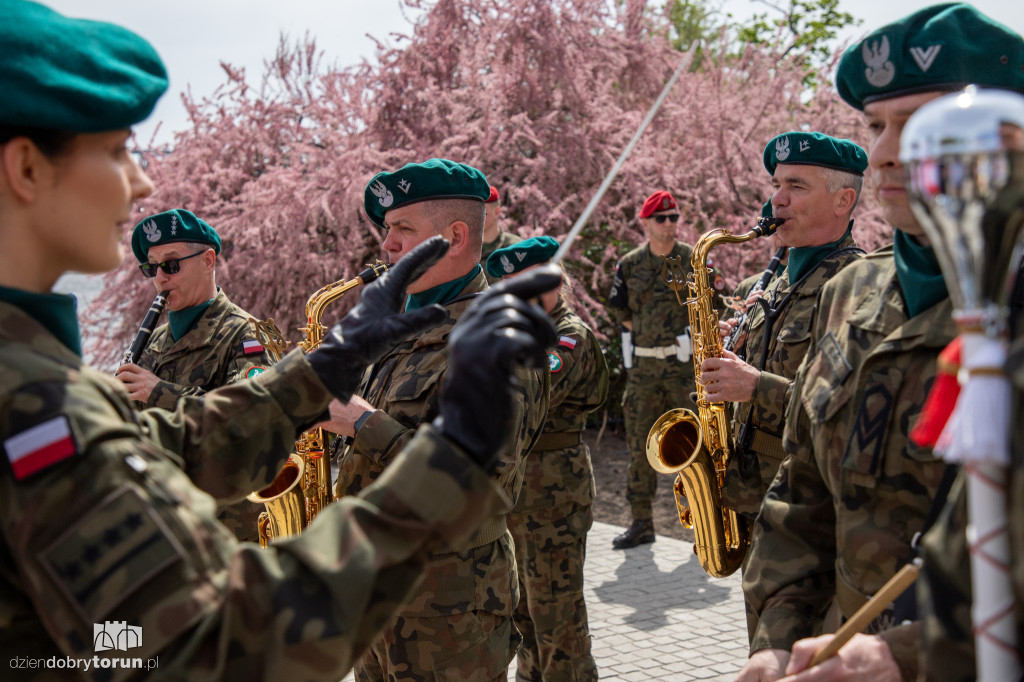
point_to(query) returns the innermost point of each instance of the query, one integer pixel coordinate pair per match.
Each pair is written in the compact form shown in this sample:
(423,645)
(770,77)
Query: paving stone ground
(655,615)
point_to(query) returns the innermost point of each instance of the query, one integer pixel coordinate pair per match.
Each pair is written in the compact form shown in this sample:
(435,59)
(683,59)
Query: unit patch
(554,362)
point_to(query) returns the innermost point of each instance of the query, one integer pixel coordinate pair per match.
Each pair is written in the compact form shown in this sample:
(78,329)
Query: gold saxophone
(303,486)
(697,447)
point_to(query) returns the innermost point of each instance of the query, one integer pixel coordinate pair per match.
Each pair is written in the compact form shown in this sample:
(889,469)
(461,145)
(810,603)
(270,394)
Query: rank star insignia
(174,225)
(554,362)
(404,185)
(804,145)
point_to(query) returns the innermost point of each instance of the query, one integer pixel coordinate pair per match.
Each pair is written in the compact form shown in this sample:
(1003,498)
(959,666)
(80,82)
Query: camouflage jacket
(944,588)
(405,387)
(221,348)
(838,520)
(558,472)
(640,295)
(107,521)
(210,355)
(788,342)
(504,239)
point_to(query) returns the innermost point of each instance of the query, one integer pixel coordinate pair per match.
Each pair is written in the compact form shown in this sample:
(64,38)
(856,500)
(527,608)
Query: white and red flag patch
(567,342)
(40,447)
(250,347)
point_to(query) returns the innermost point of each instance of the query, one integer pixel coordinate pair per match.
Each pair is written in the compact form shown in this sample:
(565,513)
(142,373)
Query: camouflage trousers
(476,646)
(653,387)
(552,615)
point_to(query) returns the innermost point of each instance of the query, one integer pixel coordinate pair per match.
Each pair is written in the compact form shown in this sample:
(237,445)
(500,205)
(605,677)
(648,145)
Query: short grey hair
(836,180)
(444,212)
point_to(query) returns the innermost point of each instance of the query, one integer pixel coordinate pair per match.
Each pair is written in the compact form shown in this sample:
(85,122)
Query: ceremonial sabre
(965,156)
(581,221)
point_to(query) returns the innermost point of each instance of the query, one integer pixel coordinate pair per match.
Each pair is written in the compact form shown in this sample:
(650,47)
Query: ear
(209,259)
(459,237)
(25,168)
(845,200)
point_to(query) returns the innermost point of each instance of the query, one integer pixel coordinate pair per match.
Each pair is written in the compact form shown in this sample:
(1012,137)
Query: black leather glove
(498,334)
(377,323)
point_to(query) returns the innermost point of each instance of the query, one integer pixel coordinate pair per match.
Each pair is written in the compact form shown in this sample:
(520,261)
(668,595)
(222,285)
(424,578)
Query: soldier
(554,512)
(494,237)
(101,524)
(839,519)
(207,341)
(458,624)
(659,370)
(817,182)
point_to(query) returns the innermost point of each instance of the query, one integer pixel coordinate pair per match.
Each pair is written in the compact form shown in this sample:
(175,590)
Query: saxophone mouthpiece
(373,272)
(767,225)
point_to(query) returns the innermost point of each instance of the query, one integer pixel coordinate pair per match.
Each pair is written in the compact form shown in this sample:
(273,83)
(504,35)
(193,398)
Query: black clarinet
(146,330)
(766,277)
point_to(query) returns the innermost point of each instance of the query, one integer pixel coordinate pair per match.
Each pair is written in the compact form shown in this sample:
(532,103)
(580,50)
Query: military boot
(639,533)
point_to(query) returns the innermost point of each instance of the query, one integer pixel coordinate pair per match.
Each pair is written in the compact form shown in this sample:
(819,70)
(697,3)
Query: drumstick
(903,579)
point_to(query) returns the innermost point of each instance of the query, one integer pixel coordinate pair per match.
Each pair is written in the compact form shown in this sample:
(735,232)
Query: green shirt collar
(442,293)
(58,313)
(182,321)
(918,272)
(802,259)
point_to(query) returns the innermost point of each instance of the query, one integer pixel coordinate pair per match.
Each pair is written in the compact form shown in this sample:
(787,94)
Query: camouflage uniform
(504,239)
(752,468)
(211,354)
(114,530)
(459,622)
(654,385)
(554,512)
(838,520)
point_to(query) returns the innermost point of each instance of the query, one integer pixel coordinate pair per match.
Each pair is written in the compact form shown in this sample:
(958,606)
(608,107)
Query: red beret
(494,195)
(659,201)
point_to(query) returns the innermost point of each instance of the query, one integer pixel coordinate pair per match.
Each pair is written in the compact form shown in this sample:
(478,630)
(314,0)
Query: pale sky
(194,36)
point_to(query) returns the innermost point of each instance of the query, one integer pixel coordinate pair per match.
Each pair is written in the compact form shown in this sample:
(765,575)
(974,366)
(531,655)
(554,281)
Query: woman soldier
(112,556)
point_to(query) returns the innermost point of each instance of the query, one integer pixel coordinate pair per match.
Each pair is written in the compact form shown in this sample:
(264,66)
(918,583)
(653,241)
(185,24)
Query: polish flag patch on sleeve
(567,342)
(250,347)
(40,447)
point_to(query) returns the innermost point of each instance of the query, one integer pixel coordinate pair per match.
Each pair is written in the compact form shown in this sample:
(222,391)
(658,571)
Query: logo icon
(782,149)
(506,264)
(151,230)
(404,185)
(116,635)
(804,145)
(382,193)
(925,57)
(554,362)
(880,71)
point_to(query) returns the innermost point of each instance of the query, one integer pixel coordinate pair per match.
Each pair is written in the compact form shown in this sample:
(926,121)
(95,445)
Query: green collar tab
(442,293)
(918,273)
(58,313)
(802,259)
(182,321)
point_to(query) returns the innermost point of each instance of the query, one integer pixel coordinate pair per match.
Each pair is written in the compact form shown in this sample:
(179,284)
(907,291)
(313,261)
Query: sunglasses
(170,267)
(671,217)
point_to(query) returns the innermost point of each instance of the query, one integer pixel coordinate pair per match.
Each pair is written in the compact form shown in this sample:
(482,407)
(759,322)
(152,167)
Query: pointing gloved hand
(377,323)
(500,333)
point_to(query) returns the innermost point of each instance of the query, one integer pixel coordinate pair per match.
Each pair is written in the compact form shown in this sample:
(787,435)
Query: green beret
(73,75)
(433,179)
(521,255)
(943,47)
(176,225)
(814,149)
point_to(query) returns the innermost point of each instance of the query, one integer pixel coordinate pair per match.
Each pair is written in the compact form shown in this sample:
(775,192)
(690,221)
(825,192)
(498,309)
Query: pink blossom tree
(542,95)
